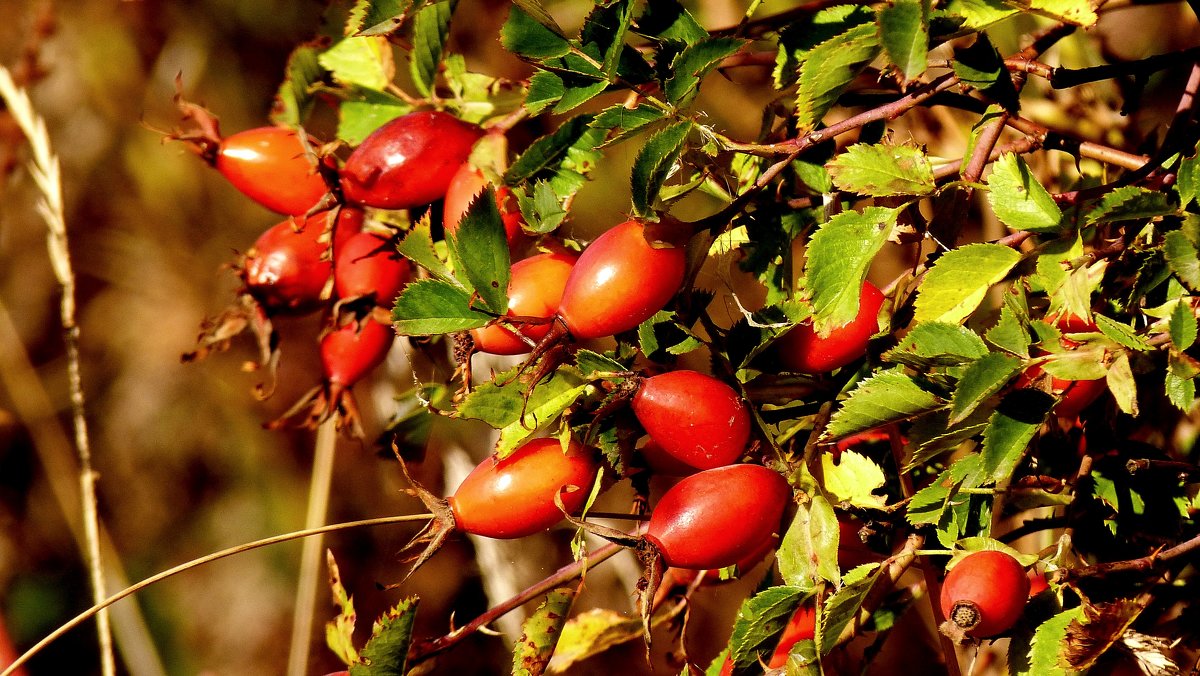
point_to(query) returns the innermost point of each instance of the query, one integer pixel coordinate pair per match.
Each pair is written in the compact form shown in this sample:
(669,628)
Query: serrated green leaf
(937,344)
(799,38)
(594,631)
(838,257)
(431,27)
(362,61)
(500,401)
(417,246)
(479,245)
(339,632)
(543,212)
(431,306)
(904,31)
(531,33)
(882,170)
(1121,334)
(1187,180)
(982,67)
(578,91)
(959,280)
(930,504)
(853,479)
(1119,379)
(885,397)
(842,608)
(379,17)
(932,434)
(1129,203)
(1183,259)
(808,552)
(1180,391)
(537,417)
(1182,325)
(386,652)
(620,122)
(1010,430)
(540,633)
(667,20)
(294,98)
(1080,364)
(1009,334)
(603,34)
(1045,653)
(661,335)
(1078,12)
(365,111)
(829,68)
(981,380)
(1020,202)
(546,153)
(545,90)
(759,621)
(592,363)
(979,14)
(653,163)
(692,64)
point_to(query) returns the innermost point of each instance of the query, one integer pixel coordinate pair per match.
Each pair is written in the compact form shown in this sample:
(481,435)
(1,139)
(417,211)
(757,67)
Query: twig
(47,175)
(312,554)
(425,649)
(194,563)
(1065,78)
(1150,563)
(1135,465)
(893,568)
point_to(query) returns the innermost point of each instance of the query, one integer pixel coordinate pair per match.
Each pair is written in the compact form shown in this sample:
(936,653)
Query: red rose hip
(271,166)
(693,417)
(984,595)
(535,287)
(803,351)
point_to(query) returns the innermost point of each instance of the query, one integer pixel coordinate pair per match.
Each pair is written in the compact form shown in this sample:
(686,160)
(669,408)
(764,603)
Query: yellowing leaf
(853,479)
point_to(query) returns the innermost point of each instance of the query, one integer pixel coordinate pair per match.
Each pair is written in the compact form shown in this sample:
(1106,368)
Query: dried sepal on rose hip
(983,595)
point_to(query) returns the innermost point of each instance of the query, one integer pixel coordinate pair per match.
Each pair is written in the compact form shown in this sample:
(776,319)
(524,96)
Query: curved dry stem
(195,563)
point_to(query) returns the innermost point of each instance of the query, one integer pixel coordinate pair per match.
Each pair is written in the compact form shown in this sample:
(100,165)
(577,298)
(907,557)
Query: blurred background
(184,465)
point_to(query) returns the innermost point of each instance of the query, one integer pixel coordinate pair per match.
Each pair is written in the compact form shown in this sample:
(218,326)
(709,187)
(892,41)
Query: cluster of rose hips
(723,511)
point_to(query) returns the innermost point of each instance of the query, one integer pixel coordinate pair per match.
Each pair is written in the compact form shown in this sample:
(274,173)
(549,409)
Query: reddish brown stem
(1146,564)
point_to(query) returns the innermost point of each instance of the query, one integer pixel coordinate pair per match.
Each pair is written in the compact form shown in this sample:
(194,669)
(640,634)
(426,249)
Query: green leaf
(932,434)
(1020,202)
(838,257)
(379,17)
(294,99)
(531,33)
(929,506)
(1009,334)
(540,633)
(481,248)
(417,246)
(692,64)
(653,163)
(363,61)
(339,632)
(667,20)
(829,68)
(500,401)
(603,34)
(620,122)
(759,621)
(842,608)
(1081,364)
(545,90)
(853,479)
(543,212)
(536,418)
(578,91)
(1183,259)
(1010,430)
(799,38)
(591,364)
(1078,12)
(808,552)
(546,153)
(431,306)
(1045,655)
(979,14)
(365,111)
(1187,180)
(1180,391)
(885,397)
(959,280)
(904,31)
(980,381)
(982,67)
(594,631)
(1119,379)
(882,170)
(1130,203)
(937,344)
(386,652)
(1182,325)
(431,27)
(1122,334)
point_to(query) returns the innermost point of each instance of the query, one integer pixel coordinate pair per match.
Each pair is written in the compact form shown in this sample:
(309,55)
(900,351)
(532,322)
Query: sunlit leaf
(432,306)
(882,170)
(829,68)
(759,622)
(904,31)
(540,633)
(885,397)
(959,280)
(1183,258)
(842,608)
(653,164)
(431,27)
(838,257)
(363,61)
(1020,202)
(808,552)
(386,652)
(853,479)
(981,380)
(1130,203)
